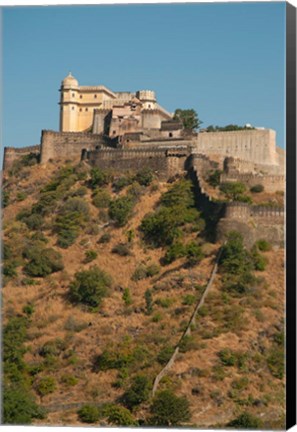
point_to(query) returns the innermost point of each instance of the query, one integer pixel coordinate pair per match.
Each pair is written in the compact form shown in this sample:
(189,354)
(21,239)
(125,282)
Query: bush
(121,182)
(257,188)
(148,301)
(21,196)
(165,354)
(119,416)
(245,421)
(90,255)
(138,392)
(73,215)
(120,210)
(144,177)
(214,178)
(105,238)
(5,199)
(127,297)
(121,249)
(189,300)
(98,178)
(169,410)
(233,190)
(142,272)
(19,407)
(263,245)
(46,385)
(276,362)
(69,380)
(101,199)
(259,261)
(227,357)
(175,251)
(187,344)
(88,414)
(234,257)
(74,325)
(90,287)
(194,254)
(46,262)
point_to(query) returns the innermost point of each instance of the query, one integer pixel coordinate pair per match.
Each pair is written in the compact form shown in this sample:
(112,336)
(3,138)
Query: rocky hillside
(101,276)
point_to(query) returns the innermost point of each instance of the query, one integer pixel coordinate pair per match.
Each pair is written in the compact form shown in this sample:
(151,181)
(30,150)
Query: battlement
(12,154)
(146,95)
(244,211)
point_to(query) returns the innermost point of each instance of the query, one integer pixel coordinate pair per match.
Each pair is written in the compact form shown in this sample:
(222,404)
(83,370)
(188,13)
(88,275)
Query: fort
(130,131)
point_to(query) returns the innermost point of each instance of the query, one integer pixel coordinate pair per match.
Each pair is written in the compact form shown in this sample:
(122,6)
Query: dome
(70,81)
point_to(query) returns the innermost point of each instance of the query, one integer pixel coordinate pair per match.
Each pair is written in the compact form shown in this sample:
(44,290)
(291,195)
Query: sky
(227,61)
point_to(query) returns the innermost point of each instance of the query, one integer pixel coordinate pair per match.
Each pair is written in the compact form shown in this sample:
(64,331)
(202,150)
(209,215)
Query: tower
(69,104)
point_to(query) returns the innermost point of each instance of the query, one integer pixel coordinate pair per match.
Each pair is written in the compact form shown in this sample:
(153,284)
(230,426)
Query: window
(80,109)
(80,97)
(86,109)
(95,96)
(149,105)
(170,134)
(72,108)
(73,94)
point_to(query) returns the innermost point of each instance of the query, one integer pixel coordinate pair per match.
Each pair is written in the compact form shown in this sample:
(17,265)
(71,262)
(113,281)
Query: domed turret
(69,82)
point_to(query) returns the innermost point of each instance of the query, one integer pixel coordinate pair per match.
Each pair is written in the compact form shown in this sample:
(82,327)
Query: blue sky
(227,61)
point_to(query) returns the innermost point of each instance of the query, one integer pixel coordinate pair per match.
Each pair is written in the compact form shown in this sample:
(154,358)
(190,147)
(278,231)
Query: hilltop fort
(131,131)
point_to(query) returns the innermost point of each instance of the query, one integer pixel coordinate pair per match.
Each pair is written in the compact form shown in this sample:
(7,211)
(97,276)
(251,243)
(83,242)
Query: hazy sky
(227,61)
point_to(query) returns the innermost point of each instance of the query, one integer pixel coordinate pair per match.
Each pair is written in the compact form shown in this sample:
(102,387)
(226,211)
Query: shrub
(175,251)
(46,262)
(135,190)
(187,344)
(214,178)
(138,392)
(263,245)
(120,210)
(29,309)
(194,254)
(80,192)
(275,362)
(119,416)
(189,299)
(5,199)
(245,421)
(90,255)
(121,249)
(19,407)
(69,380)
(90,287)
(105,238)
(121,182)
(21,196)
(144,177)
(72,216)
(234,257)
(257,188)
(233,190)
(165,354)
(10,268)
(259,260)
(34,221)
(148,301)
(127,297)
(142,272)
(101,199)
(46,385)
(98,178)
(88,414)
(169,410)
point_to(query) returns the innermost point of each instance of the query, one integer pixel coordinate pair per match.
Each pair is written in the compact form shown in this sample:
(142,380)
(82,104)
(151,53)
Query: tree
(245,421)
(90,286)
(19,406)
(138,392)
(169,410)
(189,118)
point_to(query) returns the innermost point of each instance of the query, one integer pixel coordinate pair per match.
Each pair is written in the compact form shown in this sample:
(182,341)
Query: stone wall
(67,145)
(254,223)
(164,162)
(271,183)
(12,154)
(257,146)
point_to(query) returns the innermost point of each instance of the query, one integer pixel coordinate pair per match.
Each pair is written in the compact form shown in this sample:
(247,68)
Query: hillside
(87,347)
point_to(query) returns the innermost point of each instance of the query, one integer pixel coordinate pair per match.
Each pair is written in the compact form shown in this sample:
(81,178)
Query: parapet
(146,95)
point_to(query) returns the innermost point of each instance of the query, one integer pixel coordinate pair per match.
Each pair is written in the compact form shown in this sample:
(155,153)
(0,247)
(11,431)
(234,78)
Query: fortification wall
(257,146)
(254,223)
(234,165)
(271,183)
(164,162)
(66,145)
(12,154)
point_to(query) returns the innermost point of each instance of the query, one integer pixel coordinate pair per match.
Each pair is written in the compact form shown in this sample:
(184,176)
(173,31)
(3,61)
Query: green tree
(188,117)
(88,414)
(148,301)
(138,392)
(169,410)
(46,262)
(90,286)
(245,421)
(19,407)
(120,210)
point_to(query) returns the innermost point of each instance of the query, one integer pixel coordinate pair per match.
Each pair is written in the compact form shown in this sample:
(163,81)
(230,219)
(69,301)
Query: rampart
(12,154)
(253,145)
(253,222)
(271,183)
(67,145)
(165,162)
